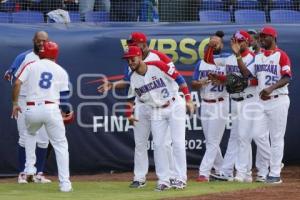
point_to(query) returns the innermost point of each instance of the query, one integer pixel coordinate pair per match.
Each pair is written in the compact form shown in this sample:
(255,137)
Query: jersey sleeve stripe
(24,69)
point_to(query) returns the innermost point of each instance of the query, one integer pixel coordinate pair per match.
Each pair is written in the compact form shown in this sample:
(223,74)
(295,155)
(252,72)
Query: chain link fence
(206,11)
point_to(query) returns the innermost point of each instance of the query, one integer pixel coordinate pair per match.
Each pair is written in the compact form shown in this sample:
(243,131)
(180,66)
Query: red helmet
(50,50)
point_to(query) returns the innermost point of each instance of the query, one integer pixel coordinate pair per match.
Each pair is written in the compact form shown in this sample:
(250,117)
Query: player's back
(46,80)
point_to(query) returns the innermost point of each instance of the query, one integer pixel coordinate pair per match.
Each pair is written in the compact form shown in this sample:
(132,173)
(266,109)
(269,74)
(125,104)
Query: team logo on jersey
(158,83)
(266,68)
(204,73)
(271,62)
(232,68)
(154,78)
(171,71)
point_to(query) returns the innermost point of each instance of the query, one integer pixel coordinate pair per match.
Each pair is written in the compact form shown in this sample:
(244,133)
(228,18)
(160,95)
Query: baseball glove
(235,83)
(68,118)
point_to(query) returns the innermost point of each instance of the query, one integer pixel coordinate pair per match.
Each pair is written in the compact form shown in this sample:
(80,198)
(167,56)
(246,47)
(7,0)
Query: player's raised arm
(235,46)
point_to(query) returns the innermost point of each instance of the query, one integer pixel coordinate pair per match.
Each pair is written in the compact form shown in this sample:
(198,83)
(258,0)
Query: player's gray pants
(213,118)
(48,115)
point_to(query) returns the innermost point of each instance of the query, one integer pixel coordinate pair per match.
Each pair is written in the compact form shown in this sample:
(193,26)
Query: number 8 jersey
(44,80)
(269,67)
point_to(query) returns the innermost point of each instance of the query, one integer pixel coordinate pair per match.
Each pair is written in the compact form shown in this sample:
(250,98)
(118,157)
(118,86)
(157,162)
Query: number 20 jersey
(210,91)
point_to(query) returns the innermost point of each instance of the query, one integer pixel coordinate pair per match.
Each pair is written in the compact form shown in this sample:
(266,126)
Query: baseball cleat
(273,180)
(261,179)
(65,187)
(177,184)
(162,187)
(22,178)
(202,178)
(221,177)
(137,184)
(40,178)
(246,179)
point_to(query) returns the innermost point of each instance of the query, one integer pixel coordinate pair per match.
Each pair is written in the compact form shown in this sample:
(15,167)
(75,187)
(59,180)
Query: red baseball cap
(136,37)
(242,35)
(132,51)
(269,30)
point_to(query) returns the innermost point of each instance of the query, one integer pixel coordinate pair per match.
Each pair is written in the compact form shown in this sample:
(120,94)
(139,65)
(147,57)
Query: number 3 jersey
(269,67)
(209,91)
(44,80)
(157,86)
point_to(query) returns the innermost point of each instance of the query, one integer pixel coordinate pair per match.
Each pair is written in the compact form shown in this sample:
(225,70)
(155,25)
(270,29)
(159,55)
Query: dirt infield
(289,189)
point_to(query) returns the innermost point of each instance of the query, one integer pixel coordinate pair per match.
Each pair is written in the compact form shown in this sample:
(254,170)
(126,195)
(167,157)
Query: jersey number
(45,81)
(165,93)
(271,80)
(217,88)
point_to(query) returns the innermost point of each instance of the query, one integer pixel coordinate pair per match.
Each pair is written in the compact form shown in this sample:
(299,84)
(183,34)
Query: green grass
(112,190)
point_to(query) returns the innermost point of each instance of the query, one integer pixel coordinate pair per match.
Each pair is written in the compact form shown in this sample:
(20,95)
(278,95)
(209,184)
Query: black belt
(242,98)
(269,97)
(213,100)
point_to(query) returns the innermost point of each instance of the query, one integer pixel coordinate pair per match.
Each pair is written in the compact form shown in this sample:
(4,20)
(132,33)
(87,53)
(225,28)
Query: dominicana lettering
(232,68)
(205,73)
(266,67)
(159,83)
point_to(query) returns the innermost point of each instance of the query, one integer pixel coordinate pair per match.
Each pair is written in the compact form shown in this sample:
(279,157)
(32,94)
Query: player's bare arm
(216,79)
(15,95)
(189,103)
(235,46)
(282,82)
(107,85)
(197,84)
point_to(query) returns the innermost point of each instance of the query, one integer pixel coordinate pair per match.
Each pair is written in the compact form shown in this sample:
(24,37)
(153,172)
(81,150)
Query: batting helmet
(50,50)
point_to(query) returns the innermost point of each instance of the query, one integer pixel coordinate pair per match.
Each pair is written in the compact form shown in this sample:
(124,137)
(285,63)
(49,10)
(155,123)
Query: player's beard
(36,48)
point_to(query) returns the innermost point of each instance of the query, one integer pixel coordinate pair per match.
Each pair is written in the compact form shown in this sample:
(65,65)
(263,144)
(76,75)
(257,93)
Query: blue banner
(101,139)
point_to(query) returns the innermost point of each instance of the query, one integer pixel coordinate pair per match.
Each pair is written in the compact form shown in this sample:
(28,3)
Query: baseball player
(214,114)
(156,84)
(273,71)
(48,82)
(246,112)
(142,127)
(42,139)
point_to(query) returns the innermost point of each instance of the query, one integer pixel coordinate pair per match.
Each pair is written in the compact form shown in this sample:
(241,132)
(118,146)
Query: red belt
(269,97)
(213,100)
(32,103)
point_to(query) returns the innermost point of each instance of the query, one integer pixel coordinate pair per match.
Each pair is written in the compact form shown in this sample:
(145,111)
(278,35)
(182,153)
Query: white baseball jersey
(153,55)
(232,67)
(26,60)
(157,86)
(269,67)
(210,91)
(45,80)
